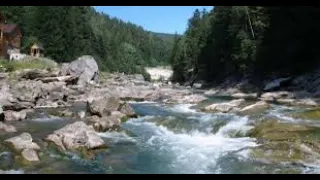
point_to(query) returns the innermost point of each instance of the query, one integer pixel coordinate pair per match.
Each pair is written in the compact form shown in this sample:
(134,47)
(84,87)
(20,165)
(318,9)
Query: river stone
(104,106)
(30,155)
(7,128)
(225,107)
(107,122)
(76,136)
(127,110)
(15,115)
(23,141)
(255,108)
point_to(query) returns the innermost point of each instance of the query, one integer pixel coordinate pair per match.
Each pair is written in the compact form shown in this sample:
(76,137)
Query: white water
(193,152)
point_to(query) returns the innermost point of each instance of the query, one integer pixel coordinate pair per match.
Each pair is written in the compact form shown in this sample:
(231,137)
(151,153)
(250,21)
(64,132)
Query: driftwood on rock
(57,79)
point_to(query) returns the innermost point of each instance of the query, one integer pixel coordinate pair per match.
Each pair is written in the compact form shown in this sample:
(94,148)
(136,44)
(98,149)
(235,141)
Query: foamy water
(194,152)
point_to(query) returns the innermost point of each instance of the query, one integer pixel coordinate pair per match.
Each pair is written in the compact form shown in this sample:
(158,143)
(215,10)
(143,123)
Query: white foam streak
(117,136)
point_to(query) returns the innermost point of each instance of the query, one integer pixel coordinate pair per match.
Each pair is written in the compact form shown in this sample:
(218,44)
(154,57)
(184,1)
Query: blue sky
(166,19)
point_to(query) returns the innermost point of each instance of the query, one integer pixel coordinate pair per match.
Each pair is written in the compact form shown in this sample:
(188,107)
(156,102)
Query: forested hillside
(257,42)
(68,32)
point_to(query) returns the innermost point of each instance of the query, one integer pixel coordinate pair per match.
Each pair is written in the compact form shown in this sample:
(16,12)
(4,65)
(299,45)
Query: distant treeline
(68,32)
(247,41)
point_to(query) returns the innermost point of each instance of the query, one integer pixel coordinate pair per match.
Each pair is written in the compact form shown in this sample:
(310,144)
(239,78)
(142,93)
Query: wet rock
(107,122)
(30,155)
(127,110)
(285,142)
(298,102)
(104,106)
(255,108)
(225,107)
(211,92)
(21,142)
(120,115)
(271,96)
(15,115)
(313,114)
(195,98)
(245,95)
(76,136)
(7,128)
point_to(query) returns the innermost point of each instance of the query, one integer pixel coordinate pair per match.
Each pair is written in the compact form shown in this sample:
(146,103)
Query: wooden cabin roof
(8,28)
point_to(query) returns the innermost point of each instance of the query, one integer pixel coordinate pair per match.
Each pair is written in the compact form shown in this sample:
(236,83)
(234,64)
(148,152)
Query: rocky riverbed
(70,119)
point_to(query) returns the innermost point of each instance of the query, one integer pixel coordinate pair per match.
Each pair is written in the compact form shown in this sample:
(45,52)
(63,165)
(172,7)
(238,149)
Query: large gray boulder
(104,106)
(85,68)
(75,137)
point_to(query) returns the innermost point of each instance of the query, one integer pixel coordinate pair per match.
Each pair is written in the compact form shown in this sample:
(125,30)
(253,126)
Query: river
(165,139)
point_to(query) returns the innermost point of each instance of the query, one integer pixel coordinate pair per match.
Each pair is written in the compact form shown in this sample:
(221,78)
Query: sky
(164,19)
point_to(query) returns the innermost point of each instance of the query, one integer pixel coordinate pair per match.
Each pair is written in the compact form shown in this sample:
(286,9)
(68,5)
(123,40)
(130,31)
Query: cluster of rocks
(33,89)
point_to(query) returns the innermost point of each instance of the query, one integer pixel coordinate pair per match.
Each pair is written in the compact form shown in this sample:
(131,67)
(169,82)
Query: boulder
(104,106)
(76,136)
(7,128)
(255,108)
(85,68)
(107,122)
(24,145)
(15,115)
(127,110)
(225,107)
(30,155)
(272,96)
(21,142)
(119,115)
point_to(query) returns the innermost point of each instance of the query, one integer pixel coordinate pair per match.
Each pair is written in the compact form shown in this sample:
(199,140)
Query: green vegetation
(68,32)
(10,66)
(239,41)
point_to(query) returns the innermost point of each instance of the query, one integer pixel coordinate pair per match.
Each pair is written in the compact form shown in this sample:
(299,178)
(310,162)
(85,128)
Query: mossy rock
(275,130)
(313,114)
(277,153)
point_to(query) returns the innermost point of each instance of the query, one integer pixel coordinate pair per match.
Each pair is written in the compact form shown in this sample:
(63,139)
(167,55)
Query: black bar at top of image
(156,3)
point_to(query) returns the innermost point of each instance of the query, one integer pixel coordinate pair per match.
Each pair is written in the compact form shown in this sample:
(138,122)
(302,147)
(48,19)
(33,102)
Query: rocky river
(120,124)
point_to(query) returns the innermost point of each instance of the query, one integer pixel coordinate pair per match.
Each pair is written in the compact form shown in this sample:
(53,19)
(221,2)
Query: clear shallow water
(165,139)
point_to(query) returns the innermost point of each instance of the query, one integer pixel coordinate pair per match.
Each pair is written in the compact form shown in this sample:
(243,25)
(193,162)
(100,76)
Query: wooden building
(10,38)
(37,50)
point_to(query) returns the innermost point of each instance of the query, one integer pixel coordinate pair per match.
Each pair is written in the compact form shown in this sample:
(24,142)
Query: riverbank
(57,121)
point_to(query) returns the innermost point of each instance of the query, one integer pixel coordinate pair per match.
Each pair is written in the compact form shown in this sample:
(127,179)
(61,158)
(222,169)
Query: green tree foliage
(249,41)
(68,32)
